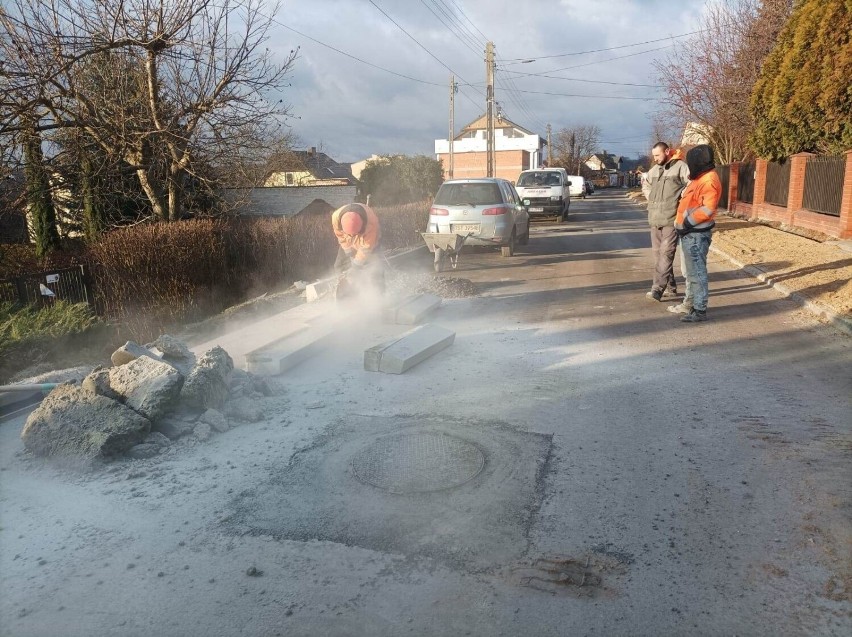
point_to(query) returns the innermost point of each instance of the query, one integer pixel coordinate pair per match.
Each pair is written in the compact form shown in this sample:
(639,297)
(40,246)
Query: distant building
(308,168)
(288,201)
(515,149)
(606,168)
(358,166)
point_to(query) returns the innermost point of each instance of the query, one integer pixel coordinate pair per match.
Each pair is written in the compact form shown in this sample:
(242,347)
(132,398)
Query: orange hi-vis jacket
(696,210)
(358,247)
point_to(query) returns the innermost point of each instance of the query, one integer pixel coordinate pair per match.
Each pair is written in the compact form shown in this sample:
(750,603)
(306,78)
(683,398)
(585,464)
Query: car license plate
(464,228)
(536,209)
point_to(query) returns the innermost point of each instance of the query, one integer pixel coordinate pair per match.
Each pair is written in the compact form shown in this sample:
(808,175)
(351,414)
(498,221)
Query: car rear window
(477,194)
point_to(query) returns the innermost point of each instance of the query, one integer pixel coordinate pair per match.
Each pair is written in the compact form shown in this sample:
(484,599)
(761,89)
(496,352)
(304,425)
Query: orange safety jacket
(696,210)
(358,247)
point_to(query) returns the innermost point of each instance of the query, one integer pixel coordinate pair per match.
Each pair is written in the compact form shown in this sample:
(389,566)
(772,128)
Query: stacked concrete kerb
(149,399)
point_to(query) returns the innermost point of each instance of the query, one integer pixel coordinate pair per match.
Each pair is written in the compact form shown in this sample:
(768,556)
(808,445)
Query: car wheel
(525,238)
(439,259)
(564,216)
(509,250)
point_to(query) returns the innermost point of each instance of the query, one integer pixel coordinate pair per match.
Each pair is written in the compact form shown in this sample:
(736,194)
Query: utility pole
(489,107)
(453,88)
(549,149)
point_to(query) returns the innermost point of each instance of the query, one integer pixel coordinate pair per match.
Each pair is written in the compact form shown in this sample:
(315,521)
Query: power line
(611,48)
(600,97)
(432,55)
(620,57)
(484,37)
(349,55)
(459,35)
(576,79)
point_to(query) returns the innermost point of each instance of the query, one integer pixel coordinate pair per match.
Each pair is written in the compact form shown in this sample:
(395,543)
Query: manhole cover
(418,463)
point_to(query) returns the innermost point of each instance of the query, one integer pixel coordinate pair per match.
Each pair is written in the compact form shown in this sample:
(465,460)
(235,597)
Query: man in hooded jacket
(696,214)
(662,187)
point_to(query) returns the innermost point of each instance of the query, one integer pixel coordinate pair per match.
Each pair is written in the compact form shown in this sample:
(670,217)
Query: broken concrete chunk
(173,428)
(245,409)
(98,383)
(216,420)
(148,386)
(202,431)
(157,438)
(140,452)
(208,382)
(128,352)
(74,422)
(409,349)
(172,348)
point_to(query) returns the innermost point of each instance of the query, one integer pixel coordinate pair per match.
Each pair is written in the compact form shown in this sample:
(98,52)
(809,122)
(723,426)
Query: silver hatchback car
(487,210)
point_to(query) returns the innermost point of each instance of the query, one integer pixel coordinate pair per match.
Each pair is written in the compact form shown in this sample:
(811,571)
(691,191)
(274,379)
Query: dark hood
(700,160)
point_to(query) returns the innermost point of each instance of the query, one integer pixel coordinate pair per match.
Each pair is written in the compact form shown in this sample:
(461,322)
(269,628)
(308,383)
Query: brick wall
(508,164)
(794,214)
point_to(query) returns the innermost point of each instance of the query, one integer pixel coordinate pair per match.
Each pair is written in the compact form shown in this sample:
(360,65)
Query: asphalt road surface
(578,462)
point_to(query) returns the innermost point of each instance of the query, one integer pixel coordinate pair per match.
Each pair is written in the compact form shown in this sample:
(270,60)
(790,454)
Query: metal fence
(777,183)
(745,183)
(724,173)
(42,288)
(824,184)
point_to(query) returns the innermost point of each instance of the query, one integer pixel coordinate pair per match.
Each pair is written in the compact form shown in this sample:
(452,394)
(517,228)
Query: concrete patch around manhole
(462,492)
(418,462)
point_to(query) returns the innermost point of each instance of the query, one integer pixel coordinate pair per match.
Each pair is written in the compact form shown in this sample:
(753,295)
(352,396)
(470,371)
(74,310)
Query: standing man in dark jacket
(662,187)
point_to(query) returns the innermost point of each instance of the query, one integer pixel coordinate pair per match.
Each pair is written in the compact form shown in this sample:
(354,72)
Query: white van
(578,186)
(544,192)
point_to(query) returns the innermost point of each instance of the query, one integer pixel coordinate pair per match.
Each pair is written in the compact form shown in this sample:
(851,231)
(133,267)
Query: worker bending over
(358,261)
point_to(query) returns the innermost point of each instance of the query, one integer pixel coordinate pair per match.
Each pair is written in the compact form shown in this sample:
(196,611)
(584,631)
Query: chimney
(313,150)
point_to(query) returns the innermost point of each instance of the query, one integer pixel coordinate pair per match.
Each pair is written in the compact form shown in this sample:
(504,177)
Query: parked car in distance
(578,186)
(545,192)
(487,210)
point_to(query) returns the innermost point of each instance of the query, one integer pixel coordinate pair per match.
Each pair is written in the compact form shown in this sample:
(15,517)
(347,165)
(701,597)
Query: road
(605,470)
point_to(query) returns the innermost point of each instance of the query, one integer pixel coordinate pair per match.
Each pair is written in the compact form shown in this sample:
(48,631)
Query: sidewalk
(818,275)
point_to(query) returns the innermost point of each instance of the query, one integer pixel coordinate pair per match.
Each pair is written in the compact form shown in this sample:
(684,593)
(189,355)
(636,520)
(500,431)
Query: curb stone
(840,322)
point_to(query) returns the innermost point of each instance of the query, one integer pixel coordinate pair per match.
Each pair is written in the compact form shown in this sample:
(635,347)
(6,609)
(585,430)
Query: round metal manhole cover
(418,463)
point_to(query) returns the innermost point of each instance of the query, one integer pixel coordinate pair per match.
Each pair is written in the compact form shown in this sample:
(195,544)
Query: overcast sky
(352,110)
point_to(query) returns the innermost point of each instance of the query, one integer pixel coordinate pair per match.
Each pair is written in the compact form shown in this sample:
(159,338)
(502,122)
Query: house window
(289,179)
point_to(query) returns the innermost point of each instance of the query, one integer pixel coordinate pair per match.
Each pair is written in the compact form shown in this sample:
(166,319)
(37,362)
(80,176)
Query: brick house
(515,149)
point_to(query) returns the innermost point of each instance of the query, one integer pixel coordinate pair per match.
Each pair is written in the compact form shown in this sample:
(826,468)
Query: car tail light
(439,212)
(493,211)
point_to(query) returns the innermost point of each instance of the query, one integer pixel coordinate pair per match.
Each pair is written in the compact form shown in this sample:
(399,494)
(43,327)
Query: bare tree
(572,146)
(171,88)
(709,78)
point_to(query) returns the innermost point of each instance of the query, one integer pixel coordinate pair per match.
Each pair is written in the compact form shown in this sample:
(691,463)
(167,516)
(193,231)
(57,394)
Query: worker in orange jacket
(359,235)
(696,217)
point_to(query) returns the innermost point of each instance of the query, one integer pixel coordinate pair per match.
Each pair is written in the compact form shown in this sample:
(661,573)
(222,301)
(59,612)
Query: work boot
(654,295)
(670,293)
(695,316)
(680,308)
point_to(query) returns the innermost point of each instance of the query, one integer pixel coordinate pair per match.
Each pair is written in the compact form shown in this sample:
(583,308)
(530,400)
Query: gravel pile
(445,287)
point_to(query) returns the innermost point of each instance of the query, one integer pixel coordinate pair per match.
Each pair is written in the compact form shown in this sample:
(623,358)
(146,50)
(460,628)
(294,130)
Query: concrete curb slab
(277,357)
(411,309)
(404,352)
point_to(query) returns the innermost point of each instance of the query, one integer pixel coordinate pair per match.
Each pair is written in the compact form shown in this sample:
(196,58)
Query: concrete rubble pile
(149,397)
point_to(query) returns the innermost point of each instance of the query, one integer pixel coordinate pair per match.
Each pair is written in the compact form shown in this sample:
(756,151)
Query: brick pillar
(733,182)
(844,229)
(796,193)
(759,186)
